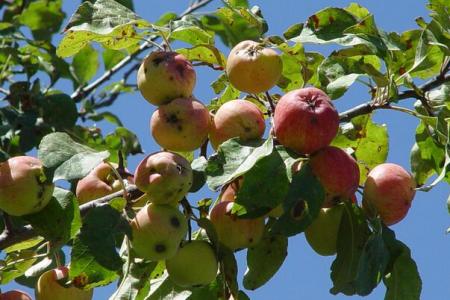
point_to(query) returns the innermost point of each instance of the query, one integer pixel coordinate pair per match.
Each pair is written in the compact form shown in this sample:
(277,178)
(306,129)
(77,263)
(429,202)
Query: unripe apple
(323,232)
(388,191)
(181,125)
(194,264)
(305,120)
(101,181)
(15,295)
(157,231)
(337,171)
(253,68)
(237,118)
(23,186)
(234,232)
(166,177)
(49,287)
(164,76)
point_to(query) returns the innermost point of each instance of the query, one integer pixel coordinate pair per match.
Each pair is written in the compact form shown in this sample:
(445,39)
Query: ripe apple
(157,231)
(305,120)
(233,232)
(181,125)
(166,177)
(253,68)
(49,287)
(15,295)
(101,181)
(164,76)
(236,118)
(23,186)
(323,232)
(388,191)
(337,171)
(194,264)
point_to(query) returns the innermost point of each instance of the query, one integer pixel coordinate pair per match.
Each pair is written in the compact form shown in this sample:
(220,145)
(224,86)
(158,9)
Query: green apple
(194,264)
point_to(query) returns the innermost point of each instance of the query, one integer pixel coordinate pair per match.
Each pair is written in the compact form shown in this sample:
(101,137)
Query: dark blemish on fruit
(157,61)
(180,69)
(145,70)
(247,129)
(179,127)
(160,248)
(172,118)
(171,78)
(175,222)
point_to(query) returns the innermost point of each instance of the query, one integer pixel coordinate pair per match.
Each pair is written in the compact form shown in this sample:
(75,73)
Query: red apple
(237,118)
(305,120)
(253,68)
(15,295)
(388,191)
(337,171)
(181,125)
(164,76)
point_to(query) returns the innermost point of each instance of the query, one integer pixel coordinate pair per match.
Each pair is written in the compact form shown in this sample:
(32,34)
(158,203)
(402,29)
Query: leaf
(294,66)
(198,166)
(59,111)
(15,265)
(163,288)
(422,169)
(69,159)
(94,249)
(60,219)
(233,159)
(190,32)
(367,139)
(302,203)
(85,64)
(264,260)
(30,243)
(104,21)
(403,281)
(112,57)
(204,53)
(123,140)
(293,31)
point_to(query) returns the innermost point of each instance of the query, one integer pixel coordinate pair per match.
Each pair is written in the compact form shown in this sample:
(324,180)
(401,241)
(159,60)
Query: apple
(15,295)
(101,181)
(233,232)
(305,120)
(49,287)
(323,232)
(253,68)
(181,125)
(337,171)
(388,191)
(236,118)
(24,188)
(195,264)
(166,177)
(164,76)
(157,231)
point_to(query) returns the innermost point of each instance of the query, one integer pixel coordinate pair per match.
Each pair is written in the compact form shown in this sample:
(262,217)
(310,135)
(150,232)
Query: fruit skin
(305,120)
(252,68)
(164,76)
(23,189)
(101,181)
(166,177)
(157,231)
(194,264)
(48,287)
(237,118)
(337,171)
(181,125)
(15,295)
(323,232)
(233,232)
(388,191)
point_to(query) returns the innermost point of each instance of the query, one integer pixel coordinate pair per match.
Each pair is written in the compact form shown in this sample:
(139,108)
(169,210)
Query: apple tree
(279,156)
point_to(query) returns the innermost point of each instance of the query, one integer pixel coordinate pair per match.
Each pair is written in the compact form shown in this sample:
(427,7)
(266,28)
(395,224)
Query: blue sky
(305,275)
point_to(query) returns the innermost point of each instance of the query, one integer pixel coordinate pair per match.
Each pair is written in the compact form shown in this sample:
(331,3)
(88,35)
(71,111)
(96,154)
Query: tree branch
(369,106)
(10,237)
(82,92)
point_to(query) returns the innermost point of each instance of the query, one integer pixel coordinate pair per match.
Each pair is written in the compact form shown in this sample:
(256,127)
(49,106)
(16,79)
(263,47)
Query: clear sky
(305,275)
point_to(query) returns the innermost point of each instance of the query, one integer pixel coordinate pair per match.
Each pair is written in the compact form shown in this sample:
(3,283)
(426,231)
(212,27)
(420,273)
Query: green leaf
(198,166)
(112,57)
(60,220)
(124,140)
(292,57)
(293,31)
(190,32)
(204,53)
(107,116)
(94,248)
(367,139)
(163,288)
(403,281)
(233,159)
(30,243)
(264,260)
(357,10)
(106,22)
(353,235)
(302,203)
(43,18)
(59,111)
(15,265)
(85,64)
(68,159)
(422,169)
